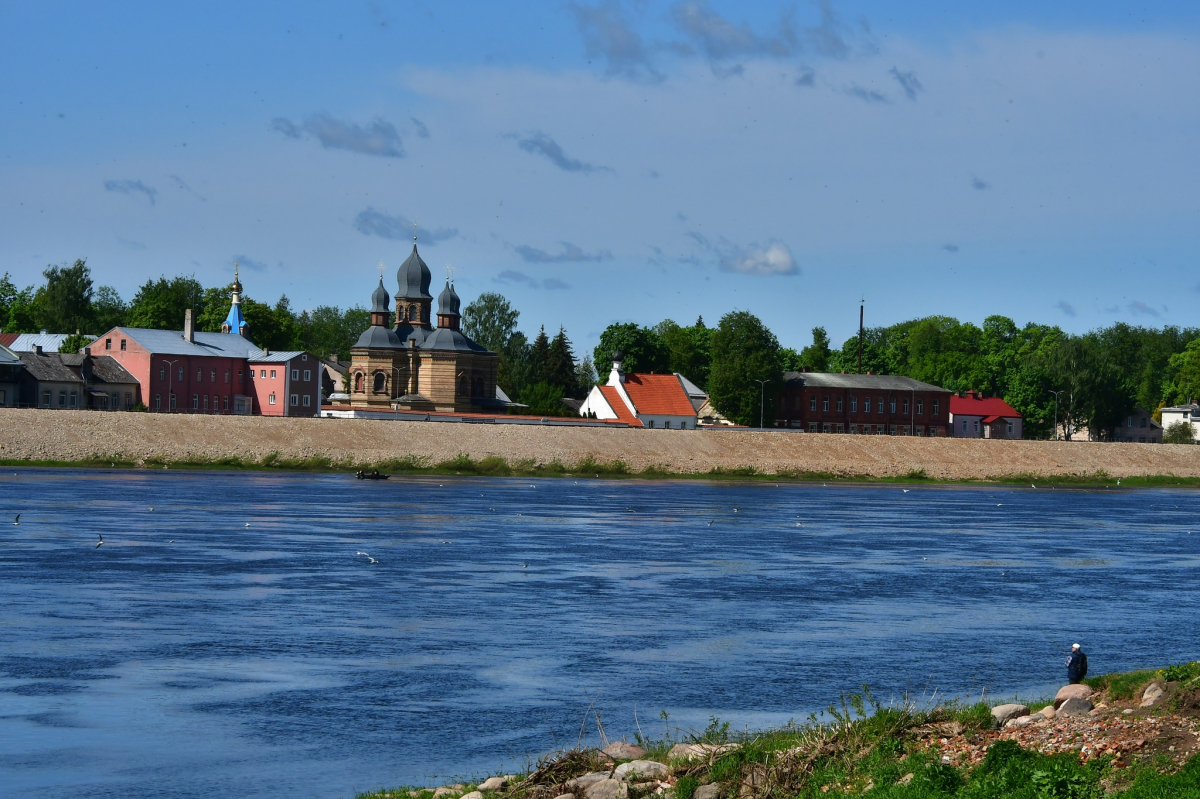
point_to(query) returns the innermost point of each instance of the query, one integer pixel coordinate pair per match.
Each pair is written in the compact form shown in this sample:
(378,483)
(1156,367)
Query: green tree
(560,364)
(544,399)
(108,310)
(1179,433)
(161,304)
(539,358)
(271,328)
(815,357)
(585,375)
(743,352)
(65,301)
(327,330)
(513,373)
(1183,375)
(688,349)
(75,342)
(490,320)
(641,348)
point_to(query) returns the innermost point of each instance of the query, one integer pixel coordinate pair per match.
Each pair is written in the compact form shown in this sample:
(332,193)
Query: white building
(1189,413)
(642,400)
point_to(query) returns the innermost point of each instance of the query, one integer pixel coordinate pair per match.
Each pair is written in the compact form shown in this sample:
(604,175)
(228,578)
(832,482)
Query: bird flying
(17,520)
(100,543)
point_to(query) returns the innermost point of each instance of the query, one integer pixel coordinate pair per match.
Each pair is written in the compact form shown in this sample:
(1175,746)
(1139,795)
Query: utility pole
(860,332)
(762,395)
(1056,393)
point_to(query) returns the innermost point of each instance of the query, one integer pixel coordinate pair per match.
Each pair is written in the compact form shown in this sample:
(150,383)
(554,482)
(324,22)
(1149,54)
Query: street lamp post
(1056,393)
(762,397)
(170,381)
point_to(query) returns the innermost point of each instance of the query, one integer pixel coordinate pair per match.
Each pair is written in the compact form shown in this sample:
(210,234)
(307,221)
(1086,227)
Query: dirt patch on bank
(46,435)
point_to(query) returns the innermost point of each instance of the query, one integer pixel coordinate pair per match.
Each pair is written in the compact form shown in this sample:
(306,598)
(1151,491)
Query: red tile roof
(658,395)
(975,405)
(618,405)
(8,338)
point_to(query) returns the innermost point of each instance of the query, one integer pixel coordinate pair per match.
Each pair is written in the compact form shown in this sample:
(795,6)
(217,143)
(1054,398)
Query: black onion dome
(413,278)
(379,299)
(448,302)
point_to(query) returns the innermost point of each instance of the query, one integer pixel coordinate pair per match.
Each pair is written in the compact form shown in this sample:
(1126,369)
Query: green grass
(1121,686)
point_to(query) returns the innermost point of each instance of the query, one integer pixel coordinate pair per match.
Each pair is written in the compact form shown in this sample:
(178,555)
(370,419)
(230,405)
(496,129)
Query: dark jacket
(1076,666)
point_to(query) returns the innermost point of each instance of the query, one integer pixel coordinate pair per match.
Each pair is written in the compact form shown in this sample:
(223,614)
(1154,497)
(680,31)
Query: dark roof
(413,278)
(411,335)
(49,367)
(444,338)
(172,342)
(379,299)
(8,357)
(380,338)
(862,382)
(105,369)
(448,301)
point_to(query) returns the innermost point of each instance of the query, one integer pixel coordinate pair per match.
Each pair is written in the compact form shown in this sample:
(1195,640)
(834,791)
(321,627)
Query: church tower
(414,303)
(235,323)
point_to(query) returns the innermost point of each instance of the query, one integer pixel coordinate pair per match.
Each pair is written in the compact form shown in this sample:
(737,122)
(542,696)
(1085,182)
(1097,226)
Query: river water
(226,640)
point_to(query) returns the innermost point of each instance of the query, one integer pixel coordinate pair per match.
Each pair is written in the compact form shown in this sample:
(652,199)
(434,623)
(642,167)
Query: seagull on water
(17,520)
(100,543)
(362,553)
(710,522)
(524,565)
(371,560)
(906,490)
(1031,485)
(247,524)
(1118,482)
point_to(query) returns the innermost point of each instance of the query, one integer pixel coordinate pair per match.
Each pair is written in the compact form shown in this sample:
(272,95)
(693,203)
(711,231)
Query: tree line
(1098,377)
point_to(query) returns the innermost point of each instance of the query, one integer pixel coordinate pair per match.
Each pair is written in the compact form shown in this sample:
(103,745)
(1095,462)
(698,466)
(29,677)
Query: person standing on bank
(1076,665)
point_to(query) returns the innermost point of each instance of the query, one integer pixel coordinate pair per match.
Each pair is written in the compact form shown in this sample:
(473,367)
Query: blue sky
(601,162)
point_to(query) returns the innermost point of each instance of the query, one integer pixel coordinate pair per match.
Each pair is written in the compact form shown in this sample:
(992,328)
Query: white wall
(596,403)
(677,422)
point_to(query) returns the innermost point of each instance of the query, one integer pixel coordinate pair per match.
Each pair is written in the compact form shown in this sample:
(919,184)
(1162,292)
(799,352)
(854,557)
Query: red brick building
(823,402)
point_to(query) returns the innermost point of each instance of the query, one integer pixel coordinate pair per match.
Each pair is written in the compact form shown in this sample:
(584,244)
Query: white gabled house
(642,400)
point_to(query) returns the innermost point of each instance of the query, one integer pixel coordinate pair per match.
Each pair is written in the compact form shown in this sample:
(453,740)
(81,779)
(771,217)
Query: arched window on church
(412,313)
(358,383)
(380,382)
(478,387)
(463,386)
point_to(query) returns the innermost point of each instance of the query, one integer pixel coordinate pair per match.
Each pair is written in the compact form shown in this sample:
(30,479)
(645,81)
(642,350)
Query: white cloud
(774,259)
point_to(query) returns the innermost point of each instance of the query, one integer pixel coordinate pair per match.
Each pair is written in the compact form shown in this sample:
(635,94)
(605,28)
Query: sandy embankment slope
(29,434)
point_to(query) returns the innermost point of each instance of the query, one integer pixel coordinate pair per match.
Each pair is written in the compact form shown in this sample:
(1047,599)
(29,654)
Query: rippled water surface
(227,640)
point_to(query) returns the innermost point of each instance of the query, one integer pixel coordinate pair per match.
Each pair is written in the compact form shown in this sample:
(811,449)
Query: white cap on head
(1074,646)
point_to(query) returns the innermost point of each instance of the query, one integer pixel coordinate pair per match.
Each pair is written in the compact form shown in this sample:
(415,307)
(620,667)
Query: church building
(402,361)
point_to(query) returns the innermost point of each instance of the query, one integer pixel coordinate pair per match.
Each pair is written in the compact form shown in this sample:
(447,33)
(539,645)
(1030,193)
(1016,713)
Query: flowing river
(227,640)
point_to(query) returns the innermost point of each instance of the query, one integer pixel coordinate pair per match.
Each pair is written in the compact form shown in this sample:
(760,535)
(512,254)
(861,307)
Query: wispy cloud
(570,254)
(179,183)
(717,38)
(866,95)
(908,81)
(132,187)
(950,247)
(513,277)
(774,259)
(979,185)
(1065,307)
(378,137)
(246,262)
(419,126)
(807,78)
(538,143)
(398,227)
(608,34)
(1139,308)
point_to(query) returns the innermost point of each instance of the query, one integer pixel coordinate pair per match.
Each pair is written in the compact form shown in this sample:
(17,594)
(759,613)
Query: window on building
(162,373)
(358,383)
(158,402)
(920,407)
(307,375)
(667,425)
(295,374)
(812,403)
(226,376)
(172,401)
(825,427)
(879,406)
(181,373)
(1129,421)
(854,405)
(272,374)
(74,400)
(263,374)
(108,343)
(307,401)
(1142,440)
(213,376)
(1143,422)
(128,399)
(295,400)
(239,376)
(935,407)
(839,404)
(195,402)
(1009,428)
(650,424)
(304,357)
(271,399)
(964,425)
(199,375)
(906,407)
(812,427)
(841,428)
(62,399)
(206,402)
(122,345)
(976,426)
(824,404)
(866,404)
(380,382)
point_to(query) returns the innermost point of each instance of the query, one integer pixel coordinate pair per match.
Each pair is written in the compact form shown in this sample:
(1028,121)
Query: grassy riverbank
(494,466)
(860,747)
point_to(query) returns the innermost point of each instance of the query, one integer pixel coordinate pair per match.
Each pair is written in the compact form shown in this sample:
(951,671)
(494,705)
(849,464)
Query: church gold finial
(414,232)
(450,273)
(381,268)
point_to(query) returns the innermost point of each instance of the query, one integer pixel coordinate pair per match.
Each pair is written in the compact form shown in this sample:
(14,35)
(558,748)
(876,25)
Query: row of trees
(1097,377)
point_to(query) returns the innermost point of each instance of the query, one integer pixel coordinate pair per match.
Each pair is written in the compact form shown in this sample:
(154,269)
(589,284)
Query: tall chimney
(860,335)
(189,326)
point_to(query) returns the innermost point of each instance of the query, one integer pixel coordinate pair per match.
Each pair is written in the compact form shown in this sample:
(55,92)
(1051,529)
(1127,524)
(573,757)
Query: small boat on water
(375,475)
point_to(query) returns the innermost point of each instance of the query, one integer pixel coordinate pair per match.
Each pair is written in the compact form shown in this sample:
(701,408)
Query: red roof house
(642,400)
(973,415)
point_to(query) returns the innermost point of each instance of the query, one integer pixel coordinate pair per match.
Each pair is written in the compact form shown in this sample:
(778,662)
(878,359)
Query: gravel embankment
(30,434)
